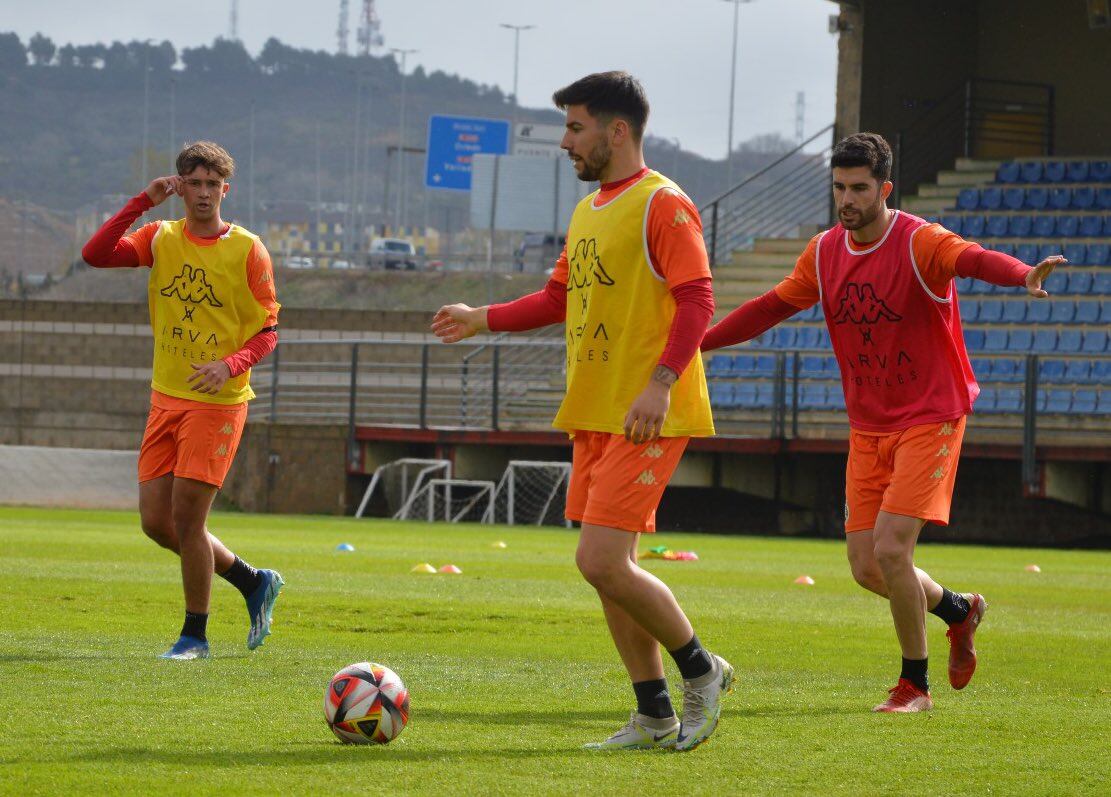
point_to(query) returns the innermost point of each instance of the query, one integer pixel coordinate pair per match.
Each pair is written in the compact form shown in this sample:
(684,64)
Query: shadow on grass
(42,658)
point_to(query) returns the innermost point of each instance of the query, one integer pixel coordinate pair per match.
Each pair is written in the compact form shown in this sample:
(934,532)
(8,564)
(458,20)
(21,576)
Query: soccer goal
(532,494)
(396,482)
(451,501)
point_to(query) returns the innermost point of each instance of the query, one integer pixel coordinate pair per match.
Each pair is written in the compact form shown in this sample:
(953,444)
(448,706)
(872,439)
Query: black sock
(653,699)
(914,670)
(952,608)
(692,659)
(243,577)
(195,625)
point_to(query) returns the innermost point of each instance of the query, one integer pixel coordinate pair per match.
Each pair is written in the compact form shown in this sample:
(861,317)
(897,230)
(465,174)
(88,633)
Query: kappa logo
(654,451)
(860,305)
(226,429)
(937,474)
(586,266)
(945,430)
(222,451)
(192,285)
(646,477)
(681,218)
(943,451)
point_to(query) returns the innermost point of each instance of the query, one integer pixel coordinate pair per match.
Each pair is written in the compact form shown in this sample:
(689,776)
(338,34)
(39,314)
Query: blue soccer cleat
(187,647)
(260,606)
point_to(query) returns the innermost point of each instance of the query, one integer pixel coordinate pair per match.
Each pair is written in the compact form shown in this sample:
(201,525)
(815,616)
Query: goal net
(451,501)
(532,494)
(395,483)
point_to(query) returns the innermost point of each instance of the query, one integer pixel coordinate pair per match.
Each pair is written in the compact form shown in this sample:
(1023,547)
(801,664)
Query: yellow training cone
(499,544)
(423,567)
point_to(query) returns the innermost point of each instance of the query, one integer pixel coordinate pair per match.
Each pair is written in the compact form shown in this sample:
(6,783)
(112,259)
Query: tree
(13,55)
(42,49)
(766,144)
(117,58)
(67,56)
(91,56)
(228,56)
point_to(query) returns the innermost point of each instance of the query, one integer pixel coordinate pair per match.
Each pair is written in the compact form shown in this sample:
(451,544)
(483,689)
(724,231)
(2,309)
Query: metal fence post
(424,386)
(795,398)
(275,367)
(352,454)
(714,236)
(968,118)
(898,170)
(495,378)
(1030,481)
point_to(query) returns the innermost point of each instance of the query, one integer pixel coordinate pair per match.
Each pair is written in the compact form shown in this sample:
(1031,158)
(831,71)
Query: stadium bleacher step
(924,205)
(965,179)
(788,246)
(756,260)
(978,165)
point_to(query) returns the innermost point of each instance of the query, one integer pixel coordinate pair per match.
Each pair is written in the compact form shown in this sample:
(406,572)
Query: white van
(393,253)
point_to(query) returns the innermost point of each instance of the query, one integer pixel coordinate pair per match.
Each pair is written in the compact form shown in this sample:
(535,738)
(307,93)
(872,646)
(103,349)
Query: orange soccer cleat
(905,697)
(962,653)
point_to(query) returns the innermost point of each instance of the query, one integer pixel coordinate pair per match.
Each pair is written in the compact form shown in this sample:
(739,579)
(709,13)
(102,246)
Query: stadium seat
(995,340)
(720,365)
(1103,402)
(1076,254)
(1080,282)
(1063,311)
(1045,340)
(1048,250)
(1052,371)
(1101,285)
(1019,225)
(1069,340)
(807,314)
(812,397)
(809,338)
(823,340)
(1009,172)
(1107,226)
(1037,198)
(1076,171)
(813,367)
(1006,248)
(765,396)
(991,311)
(1101,371)
(744,365)
(1105,311)
(983,368)
(973,227)
(1083,197)
(991,198)
(1043,226)
(1095,342)
(1019,340)
(1054,172)
(1014,198)
(974,339)
(953,223)
(1008,399)
(765,365)
(1090,226)
(1037,311)
(1066,226)
(1058,401)
(1077,371)
(1057,283)
(1099,171)
(985,402)
(744,395)
(721,394)
(836,397)
(1059,198)
(969,309)
(997,226)
(1103,199)
(968,199)
(964,285)
(784,337)
(1087,312)
(1007,370)
(1014,312)
(1027,253)
(1032,171)
(1084,401)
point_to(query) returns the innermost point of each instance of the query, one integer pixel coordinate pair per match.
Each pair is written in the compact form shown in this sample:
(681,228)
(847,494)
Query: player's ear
(886,188)
(226,188)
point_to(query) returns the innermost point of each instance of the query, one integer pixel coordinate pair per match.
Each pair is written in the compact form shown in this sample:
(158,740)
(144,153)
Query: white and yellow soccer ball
(366,703)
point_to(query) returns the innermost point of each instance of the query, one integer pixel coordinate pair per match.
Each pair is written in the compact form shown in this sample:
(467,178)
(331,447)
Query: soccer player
(632,286)
(214,313)
(885,282)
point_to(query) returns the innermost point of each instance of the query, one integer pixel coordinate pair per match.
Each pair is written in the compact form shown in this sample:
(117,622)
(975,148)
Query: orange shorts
(191,439)
(909,472)
(618,484)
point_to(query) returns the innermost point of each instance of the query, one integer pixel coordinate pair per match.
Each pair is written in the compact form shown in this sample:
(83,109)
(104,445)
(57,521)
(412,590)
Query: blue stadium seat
(974,339)
(808,338)
(1059,198)
(1043,226)
(765,396)
(1095,342)
(1037,311)
(1008,399)
(953,223)
(1099,171)
(1057,283)
(1058,401)
(1069,340)
(784,337)
(1076,254)
(743,365)
(964,285)
(1103,402)
(1084,401)
(991,198)
(1077,371)
(807,314)
(1045,340)
(720,365)
(813,367)
(932,219)
(812,397)
(1087,312)
(969,309)
(836,397)
(1090,226)
(1027,253)
(1105,311)
(1076,171)
(997,226)
(1019,340)
(1018,226)
(1101,371)
(1052,371)
(968,199)
(721,394)
(991,311)
(1083,197)
(1066,226)
(1063,311)
(1037,198)
(823,342)
(1032,171)
(985,402)
(1107,226)
(1007,370)
(1014,312)
(973,227)
(1006,248)
(995,339)
(1103,199)
(1101,285)
(1048,250)
(765,365)
(1080,282)
(983,368)
(744,395)
(1009,172)
(1054,172)
(1014,198)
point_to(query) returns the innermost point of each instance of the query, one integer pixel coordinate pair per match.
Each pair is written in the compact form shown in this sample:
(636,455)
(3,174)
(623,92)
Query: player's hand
(645,419)
(210,377)
(454,322)
(1038,274)
(162,188)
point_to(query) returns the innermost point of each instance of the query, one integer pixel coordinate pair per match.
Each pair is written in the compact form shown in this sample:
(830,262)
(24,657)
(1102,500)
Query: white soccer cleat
(702,704)
(641,733)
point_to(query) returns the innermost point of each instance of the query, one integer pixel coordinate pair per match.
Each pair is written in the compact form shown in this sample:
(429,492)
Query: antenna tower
(341,30)
(800,116)
(369,35)
(235,20)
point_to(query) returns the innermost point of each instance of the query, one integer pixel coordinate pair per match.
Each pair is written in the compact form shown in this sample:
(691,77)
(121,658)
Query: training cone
(423,567)
(345,546)
(450,570)
(1033,569)
(807,580)
(499,544)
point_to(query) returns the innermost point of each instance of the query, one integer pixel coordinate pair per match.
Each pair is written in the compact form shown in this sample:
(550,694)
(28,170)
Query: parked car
(341,264)
(538,251)
(299,261)
(393,253)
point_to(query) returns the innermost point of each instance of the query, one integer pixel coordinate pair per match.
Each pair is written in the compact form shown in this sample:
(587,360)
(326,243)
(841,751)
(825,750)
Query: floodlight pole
(516,61)
(732,93)
(401,142)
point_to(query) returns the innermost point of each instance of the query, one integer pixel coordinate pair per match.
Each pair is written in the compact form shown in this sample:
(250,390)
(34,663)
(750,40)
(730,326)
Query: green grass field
(510,668)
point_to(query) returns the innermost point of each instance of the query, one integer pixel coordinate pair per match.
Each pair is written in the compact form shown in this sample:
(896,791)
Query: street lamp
(732,93)
(401,140)
(516,56)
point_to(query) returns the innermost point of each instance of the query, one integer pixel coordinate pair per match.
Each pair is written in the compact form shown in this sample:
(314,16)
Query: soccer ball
(366,704)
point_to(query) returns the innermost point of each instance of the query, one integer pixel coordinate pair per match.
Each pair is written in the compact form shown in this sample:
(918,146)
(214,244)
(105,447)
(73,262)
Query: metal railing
(773,202)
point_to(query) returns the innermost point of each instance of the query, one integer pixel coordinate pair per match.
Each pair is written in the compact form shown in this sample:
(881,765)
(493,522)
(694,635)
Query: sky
(679,49)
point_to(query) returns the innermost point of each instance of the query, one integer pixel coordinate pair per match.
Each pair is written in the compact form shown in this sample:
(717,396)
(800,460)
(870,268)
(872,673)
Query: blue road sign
(453,141)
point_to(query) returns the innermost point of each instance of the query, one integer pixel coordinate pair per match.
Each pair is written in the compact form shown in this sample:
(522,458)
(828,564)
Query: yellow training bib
(201,309)
(619,314)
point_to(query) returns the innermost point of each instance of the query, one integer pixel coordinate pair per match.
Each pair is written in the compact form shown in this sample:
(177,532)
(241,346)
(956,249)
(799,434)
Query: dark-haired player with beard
(633,288)
(885,282)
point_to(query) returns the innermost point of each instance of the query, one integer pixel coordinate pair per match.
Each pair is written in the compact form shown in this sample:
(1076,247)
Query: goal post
(533,493)
(451,501)
(398,480)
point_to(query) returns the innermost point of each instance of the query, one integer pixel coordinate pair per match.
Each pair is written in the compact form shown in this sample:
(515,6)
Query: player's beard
(595,162)
(864,217)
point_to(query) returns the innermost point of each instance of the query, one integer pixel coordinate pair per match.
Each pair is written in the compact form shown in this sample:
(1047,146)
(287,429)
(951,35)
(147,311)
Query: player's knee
(890,554)
(597,571)
(869,576)
(161,532)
